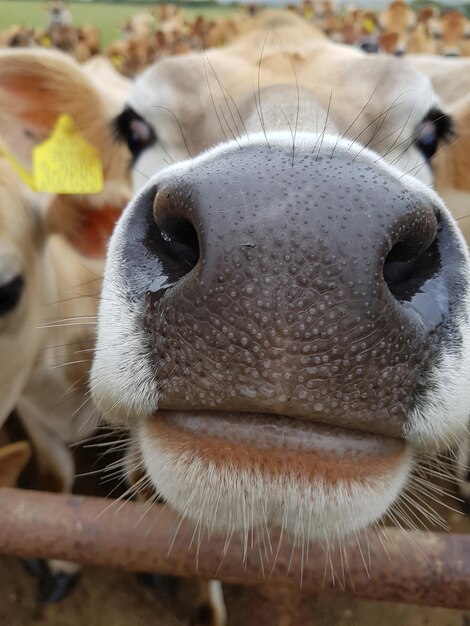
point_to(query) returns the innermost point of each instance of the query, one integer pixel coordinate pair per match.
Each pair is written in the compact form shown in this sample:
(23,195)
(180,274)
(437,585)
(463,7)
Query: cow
(142,23)
(450,34)
(89,43)
(51,261)
(400,19)
(58,15)
(284,323)
(19,35)
(420,41)
(359,28)
(409,32)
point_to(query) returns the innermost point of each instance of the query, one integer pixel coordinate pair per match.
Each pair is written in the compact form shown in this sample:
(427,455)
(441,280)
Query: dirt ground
(113,598)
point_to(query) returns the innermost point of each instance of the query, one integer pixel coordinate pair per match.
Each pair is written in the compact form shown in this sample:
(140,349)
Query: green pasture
(108,17)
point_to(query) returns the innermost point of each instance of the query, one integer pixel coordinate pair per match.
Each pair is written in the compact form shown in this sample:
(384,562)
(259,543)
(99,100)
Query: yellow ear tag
(117,60)
(66,162)
(46,42)
(368,25)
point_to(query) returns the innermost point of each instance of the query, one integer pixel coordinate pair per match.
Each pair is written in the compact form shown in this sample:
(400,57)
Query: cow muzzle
(295,304)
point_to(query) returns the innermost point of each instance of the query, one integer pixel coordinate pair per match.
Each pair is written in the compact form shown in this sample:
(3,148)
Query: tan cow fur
(451,80)
(450,77)
(452,167)
(357,88)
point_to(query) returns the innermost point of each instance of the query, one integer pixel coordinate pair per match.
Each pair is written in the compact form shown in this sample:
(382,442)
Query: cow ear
(388,42)
(36,87)
(425,14)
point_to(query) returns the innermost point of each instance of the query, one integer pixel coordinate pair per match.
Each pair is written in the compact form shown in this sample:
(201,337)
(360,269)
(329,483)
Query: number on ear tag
(66,163)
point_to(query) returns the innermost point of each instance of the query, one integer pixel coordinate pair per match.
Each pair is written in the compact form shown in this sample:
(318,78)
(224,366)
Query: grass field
(107,17)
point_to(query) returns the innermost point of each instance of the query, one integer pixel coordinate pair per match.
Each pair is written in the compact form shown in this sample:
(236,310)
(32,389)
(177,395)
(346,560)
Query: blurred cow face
(36,87)
(398,19)
(450,34)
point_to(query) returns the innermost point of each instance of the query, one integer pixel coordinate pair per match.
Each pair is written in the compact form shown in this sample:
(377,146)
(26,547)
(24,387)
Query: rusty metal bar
(421,568)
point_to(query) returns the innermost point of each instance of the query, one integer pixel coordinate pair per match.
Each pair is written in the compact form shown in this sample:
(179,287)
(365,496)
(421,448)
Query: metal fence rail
(422,568)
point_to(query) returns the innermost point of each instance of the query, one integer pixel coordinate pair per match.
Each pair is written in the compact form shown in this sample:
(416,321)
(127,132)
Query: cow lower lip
(232,471)
(264,434)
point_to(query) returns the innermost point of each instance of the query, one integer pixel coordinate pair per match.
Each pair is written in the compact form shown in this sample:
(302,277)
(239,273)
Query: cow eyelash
(435,128)
(135,131)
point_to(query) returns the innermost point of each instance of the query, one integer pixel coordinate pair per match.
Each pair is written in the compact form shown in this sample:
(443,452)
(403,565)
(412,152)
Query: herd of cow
(165,30)
(284,326)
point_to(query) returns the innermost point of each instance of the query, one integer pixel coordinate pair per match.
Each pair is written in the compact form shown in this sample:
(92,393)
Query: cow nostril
(408,266)
(180,241)
(176,238)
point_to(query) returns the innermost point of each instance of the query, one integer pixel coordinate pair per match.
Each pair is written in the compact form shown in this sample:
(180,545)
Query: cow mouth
(276,444)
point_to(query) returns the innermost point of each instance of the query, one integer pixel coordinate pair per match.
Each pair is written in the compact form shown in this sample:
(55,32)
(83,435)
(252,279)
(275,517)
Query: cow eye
(437,35)
(135,131)
(10,294)
(434,129)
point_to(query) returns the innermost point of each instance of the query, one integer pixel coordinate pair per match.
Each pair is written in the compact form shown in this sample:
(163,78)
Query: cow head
(450,34)
(399,19)
(285,319)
